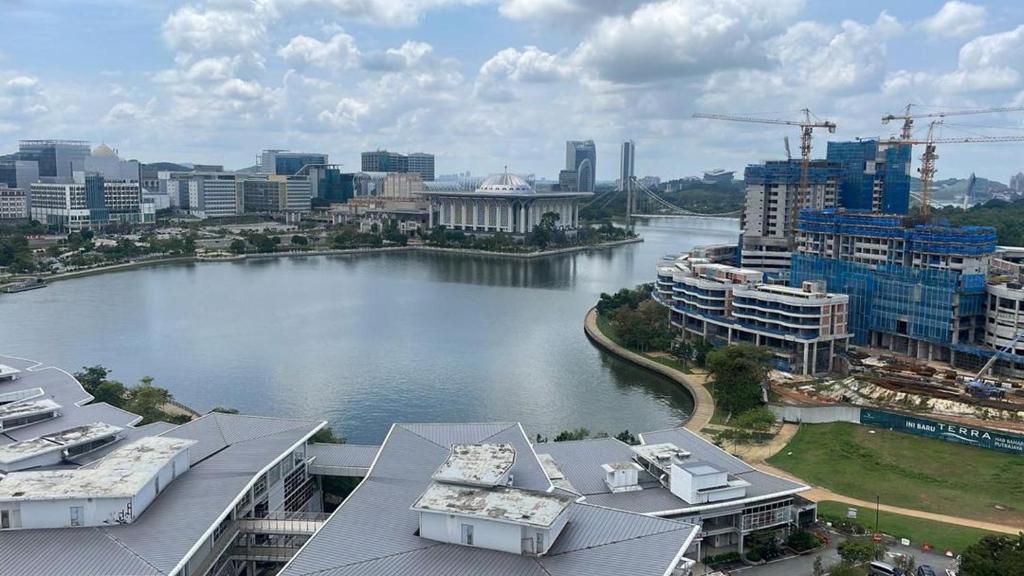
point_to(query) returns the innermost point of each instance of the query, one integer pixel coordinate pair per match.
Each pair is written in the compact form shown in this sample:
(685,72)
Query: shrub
(802,541)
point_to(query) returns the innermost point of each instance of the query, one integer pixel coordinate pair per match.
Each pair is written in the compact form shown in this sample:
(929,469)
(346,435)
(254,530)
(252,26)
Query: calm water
(364,341)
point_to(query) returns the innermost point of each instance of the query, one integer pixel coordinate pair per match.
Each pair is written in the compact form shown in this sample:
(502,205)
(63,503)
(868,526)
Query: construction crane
(978,387)
(807,126)
(927,168)
(908,119)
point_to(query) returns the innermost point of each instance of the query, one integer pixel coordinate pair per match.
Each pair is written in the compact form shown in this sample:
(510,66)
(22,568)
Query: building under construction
(916,290)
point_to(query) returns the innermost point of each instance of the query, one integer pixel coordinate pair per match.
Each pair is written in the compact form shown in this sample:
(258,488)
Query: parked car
(925,570)
(883,569)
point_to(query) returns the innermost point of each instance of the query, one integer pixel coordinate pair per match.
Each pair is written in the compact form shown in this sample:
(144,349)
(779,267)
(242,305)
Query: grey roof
(374,531)
(229,452)
(580,461)
(343,455)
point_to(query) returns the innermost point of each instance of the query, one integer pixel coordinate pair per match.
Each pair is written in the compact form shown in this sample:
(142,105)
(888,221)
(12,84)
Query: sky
(485,84)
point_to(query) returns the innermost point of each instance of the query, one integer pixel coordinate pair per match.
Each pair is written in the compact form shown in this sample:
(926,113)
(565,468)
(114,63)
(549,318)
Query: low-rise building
(13,204)
(803,327)
(502,203)
(88,203)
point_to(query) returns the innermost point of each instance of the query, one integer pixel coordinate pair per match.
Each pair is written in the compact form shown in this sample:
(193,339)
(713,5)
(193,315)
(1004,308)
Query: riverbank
(703,402)
(340,252)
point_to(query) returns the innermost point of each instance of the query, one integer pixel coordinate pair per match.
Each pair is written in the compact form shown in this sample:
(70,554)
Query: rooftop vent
(622,476)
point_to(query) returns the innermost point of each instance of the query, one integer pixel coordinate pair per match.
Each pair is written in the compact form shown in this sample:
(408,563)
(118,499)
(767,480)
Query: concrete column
(462,206)
(430,216)
(522,219)
(814,359)
(487,215)
(806,354)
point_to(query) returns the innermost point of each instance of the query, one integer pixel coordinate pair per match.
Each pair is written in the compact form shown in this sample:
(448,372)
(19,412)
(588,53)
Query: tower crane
(807,126)
(927,169)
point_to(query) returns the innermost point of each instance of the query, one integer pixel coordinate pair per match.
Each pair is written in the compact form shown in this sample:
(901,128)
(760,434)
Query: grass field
(908,471)
(940,535)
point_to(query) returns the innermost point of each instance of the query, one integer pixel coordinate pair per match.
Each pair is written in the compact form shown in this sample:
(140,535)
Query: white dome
(103,150)
(505,182)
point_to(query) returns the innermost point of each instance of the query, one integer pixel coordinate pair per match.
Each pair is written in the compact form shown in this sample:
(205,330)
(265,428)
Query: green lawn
(940,535)
(908,471)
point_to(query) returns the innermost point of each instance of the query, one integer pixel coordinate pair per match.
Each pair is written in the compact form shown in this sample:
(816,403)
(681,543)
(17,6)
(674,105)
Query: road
(804,565)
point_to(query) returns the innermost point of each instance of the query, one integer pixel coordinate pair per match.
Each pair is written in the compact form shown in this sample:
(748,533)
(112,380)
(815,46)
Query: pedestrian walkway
(703,403)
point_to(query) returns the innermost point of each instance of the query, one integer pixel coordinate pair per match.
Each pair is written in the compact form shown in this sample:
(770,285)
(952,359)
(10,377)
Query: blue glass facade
(857,184)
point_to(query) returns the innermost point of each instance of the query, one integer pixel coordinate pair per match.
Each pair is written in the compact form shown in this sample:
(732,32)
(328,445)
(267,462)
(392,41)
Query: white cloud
(339,51)
(195,29)
(564,12)
(680,38)
(529,65)
(409,55)
(347,112)
(955,20)
(381,12)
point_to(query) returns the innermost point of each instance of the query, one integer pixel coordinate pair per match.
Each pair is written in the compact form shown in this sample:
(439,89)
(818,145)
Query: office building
(89,202)
(262,195)
(1017,183)
(202,194)
(57,160)
(332,185)
(803,327)
(916,290)
(398,185)
(568,181)
(627,164)
(384,161)
(298,193)
(423,164)
(285,163)
(581,157)
(502,203)
(13,204)
(19,173)
(104,161)
(766,220)
(875,175)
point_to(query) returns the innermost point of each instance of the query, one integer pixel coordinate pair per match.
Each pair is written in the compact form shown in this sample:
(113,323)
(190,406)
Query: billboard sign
(948,431)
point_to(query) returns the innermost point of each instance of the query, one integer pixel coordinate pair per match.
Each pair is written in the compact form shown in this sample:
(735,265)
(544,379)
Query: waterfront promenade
(703,402)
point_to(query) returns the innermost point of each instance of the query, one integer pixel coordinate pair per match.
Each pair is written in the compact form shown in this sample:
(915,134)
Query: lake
(366,340)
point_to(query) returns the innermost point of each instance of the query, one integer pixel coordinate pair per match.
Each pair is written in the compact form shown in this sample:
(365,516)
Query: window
(540,543)
(467,534)
(174,468)
(76,515)
(156,484)
(5,519)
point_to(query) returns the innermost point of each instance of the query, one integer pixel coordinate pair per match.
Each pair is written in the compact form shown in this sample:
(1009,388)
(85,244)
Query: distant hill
(949,189)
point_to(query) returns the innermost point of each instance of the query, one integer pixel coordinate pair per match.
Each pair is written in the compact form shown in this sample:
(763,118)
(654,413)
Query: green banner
(948,431)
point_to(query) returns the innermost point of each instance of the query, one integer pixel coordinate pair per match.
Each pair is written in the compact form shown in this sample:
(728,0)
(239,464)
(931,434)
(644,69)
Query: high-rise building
(581,157)
(1017,183)
(285,163)
(298,193)
(384,161)
(58,160)
(422,163)
(767,218)
(627,164)
(19,173)
(875,175)
(919,291)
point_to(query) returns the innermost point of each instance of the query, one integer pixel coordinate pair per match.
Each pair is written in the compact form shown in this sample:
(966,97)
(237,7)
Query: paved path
(704,404)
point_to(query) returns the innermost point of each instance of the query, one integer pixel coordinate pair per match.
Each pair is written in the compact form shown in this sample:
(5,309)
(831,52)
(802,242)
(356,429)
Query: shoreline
(338,252)
(703,402)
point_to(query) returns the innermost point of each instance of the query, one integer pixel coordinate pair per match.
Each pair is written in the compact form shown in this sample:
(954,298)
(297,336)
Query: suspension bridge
(642,202)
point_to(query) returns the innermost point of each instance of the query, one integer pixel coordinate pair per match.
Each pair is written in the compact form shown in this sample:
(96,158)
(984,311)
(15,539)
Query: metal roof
(374,531)
(342,455)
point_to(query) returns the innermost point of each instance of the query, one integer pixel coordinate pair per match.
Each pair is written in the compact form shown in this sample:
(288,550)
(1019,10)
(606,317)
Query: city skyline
(218,82)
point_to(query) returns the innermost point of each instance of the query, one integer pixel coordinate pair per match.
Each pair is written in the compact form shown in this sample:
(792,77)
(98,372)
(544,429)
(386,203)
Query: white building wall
(487,534)
(57,513)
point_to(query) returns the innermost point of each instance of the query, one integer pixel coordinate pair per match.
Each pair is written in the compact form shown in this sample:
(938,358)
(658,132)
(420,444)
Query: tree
(238,246)
(844,569)
(627,437)
(299,240)
(738,372)
(223,410)
(577,434)
(906,563)
(326,435)
(546,231)
(147,401)
(860,550)
(819,567)
(994,556)
(758,419)
(644,327)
